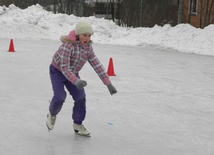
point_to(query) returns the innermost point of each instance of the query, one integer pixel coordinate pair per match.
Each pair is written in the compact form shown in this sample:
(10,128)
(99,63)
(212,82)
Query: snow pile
(36,23)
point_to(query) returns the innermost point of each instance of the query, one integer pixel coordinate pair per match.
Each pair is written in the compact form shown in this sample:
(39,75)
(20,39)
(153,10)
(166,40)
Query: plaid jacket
(71,57)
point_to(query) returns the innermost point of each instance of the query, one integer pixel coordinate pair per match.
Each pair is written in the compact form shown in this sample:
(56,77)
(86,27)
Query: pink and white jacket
(71,57)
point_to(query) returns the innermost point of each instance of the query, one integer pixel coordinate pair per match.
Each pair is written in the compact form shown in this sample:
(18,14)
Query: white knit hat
(83,27)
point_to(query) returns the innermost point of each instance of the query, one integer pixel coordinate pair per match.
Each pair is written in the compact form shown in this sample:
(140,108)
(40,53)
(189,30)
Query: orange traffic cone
(110,71)
(11,48)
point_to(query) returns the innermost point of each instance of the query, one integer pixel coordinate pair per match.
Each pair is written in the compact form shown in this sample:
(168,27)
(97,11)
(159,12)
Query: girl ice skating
(75,50)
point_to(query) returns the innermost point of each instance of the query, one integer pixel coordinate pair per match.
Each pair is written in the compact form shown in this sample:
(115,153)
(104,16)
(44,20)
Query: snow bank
(36,23)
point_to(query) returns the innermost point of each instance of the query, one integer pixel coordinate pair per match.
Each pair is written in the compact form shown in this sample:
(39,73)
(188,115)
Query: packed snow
(164,104)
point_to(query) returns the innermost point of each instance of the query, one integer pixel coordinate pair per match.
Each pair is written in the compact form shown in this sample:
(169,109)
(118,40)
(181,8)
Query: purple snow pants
(59,82)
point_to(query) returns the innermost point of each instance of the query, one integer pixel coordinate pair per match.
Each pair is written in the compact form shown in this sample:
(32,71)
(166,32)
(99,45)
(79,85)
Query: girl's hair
(78,38)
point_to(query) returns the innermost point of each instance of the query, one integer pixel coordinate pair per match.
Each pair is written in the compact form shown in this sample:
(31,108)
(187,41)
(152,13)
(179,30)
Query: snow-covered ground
(164,103)
(36,23)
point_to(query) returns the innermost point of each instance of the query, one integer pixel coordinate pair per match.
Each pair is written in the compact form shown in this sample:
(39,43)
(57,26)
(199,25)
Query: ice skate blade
(80,134)
(49,130)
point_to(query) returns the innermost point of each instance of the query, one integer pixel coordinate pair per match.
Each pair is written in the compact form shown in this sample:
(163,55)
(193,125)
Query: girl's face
(84,38)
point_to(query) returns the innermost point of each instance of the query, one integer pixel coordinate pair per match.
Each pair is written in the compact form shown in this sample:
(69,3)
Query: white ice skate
(50,121)
(81,130)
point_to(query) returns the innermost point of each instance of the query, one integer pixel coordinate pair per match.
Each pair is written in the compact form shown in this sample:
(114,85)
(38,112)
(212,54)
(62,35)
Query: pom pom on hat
(83,27)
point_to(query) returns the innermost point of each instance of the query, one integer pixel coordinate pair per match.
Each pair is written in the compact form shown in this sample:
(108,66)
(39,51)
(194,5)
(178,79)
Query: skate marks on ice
(172,111)
(67,143)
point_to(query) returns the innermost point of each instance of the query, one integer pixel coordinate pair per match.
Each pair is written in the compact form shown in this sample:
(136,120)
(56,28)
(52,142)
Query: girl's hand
(80,84)
(112,89)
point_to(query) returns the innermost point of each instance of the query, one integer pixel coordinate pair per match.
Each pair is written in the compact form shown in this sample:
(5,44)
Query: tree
(35,2)
(112,9)
(118,13)
(151,12)
(206,12)
(69,7)
(181,11)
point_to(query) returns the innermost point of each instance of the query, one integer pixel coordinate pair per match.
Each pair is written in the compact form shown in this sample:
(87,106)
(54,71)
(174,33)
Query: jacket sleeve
(98,67)
(65,67)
